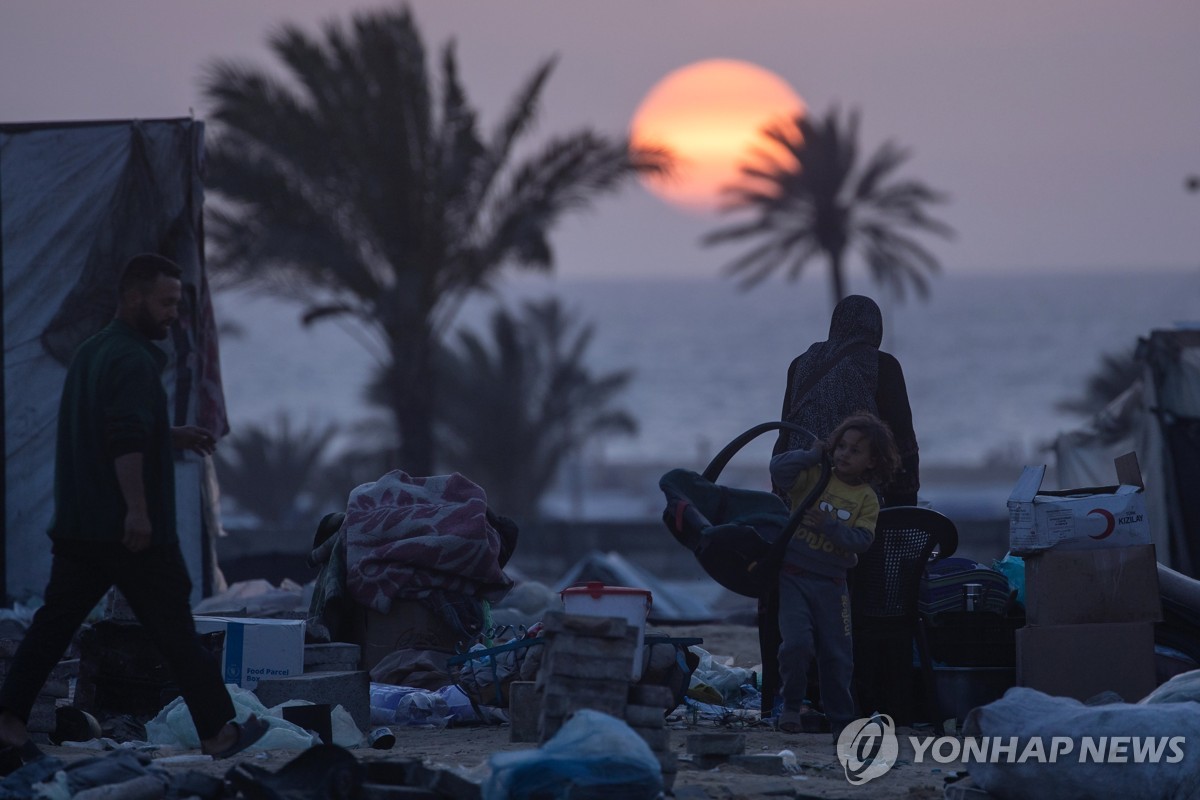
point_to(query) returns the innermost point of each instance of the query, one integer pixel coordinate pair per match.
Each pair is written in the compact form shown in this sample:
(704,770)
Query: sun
(709,115)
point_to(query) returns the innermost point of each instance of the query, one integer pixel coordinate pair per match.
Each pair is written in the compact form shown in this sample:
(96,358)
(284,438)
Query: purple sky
(1062,130)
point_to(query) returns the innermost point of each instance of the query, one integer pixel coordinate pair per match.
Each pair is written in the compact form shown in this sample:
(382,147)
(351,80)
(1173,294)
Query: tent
(76,201)
(1159,419)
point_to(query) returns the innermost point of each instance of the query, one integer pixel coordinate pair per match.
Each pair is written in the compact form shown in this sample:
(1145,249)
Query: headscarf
(849,359)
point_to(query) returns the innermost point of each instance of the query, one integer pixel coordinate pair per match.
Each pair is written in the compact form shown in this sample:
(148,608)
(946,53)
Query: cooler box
(594,599)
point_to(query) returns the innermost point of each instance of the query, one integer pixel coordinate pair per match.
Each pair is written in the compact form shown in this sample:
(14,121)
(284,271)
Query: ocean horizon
(987,359)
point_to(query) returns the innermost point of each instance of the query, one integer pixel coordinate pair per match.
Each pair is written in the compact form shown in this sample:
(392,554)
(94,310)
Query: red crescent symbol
(1108,518)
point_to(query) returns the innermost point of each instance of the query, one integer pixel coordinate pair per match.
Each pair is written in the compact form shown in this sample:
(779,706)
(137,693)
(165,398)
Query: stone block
(573,665)
(645,716)
(559,702)
(716,744)
(349,689)
(585,686)
(558,622)
(758,763)
(652,695)
(524,707)
(331,656)
(659,739)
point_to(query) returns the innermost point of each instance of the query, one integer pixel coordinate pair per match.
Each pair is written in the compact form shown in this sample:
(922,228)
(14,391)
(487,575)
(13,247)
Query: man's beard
(150,328)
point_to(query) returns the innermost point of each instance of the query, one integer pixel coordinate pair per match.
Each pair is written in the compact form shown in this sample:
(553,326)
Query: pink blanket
(408,537)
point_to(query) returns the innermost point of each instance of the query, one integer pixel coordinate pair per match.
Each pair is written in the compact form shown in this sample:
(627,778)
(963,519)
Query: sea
(988,358)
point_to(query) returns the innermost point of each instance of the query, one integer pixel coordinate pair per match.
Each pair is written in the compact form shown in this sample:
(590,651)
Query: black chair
(884,591)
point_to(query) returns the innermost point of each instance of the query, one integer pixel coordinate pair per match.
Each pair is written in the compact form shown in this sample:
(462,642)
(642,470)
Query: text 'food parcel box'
(1111,584)
(256,649)
(1106,516)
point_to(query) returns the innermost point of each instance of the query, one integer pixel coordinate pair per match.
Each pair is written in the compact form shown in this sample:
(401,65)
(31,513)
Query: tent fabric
(76,201)
(1161,416)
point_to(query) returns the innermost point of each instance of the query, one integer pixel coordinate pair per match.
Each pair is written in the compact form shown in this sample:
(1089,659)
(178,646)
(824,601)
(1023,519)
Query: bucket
(594,599)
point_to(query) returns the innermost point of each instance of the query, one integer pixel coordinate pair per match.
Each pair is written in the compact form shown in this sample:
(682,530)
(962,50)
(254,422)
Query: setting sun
(709,115)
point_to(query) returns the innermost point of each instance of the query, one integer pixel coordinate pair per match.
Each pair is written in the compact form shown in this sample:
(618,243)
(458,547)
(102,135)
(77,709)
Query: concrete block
(558,702)
(572,665)
(593,646)
(556,622)
(716,744)
(351,690)
(659,739)
(524,707)
(651,695)
(584,686)
(758,763)
(645,716)
(331,656)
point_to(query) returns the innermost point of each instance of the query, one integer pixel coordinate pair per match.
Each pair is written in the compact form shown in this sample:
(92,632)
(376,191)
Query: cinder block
(586,687)
(558,702)
(351,690)
(524,708)
(716,744)
(645,716)
(652,695)
(758,763)
(555,622)
(659,739)
(573,665)
(593,647)
(331,657)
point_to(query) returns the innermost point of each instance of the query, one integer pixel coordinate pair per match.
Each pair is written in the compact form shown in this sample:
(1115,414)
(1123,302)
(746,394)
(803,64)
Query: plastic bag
(173,725)
(591,750)
(1013,568)
(714,682)
(408,705)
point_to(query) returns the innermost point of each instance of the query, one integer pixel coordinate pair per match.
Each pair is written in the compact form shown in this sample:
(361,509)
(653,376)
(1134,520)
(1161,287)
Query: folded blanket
(407,538)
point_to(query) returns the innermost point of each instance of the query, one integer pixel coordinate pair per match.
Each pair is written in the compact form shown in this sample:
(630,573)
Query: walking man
(114,514)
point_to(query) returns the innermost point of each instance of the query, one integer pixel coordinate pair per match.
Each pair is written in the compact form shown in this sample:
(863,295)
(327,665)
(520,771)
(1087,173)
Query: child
(814,604)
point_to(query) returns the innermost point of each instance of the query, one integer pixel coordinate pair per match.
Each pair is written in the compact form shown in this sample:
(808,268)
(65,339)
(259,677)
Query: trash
(411,706)
(381,739)
(725,682)
(591,751)
(173,725)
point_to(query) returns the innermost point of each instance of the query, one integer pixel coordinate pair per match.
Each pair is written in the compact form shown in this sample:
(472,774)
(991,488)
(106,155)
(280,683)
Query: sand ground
(819,775)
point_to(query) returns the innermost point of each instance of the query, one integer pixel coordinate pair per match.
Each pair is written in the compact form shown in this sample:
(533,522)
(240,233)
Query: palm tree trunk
(412,405)
(836,277)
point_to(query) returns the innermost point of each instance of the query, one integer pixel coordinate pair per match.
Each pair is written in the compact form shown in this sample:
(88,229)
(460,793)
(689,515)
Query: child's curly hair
(883,445)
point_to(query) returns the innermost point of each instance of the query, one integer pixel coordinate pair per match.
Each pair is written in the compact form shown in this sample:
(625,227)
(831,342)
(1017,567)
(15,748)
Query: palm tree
(542,404)
(365,191)
(273,474)
(818,200)
(1115,374)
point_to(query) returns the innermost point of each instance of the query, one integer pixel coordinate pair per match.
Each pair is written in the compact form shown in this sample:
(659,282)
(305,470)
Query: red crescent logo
(1108,518)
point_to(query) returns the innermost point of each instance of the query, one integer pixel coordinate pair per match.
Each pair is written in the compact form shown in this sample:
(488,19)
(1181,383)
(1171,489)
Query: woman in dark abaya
(847,373)
(830,381)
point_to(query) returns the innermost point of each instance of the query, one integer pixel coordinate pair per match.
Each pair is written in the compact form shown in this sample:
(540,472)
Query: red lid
(597,589)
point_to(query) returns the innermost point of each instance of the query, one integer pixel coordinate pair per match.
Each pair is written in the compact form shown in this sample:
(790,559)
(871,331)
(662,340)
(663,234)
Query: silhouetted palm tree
(540,403)
(361,186)
(273,474)
(818,200)
(1116,373)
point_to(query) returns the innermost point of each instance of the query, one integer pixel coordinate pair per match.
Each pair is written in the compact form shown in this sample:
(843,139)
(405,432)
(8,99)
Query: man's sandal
(248,733)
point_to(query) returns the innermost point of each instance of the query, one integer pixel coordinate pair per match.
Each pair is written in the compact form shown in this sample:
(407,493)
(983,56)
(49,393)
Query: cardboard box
(1081,661)
(409,626)
(1104,516)
(1113,584)
(257,648)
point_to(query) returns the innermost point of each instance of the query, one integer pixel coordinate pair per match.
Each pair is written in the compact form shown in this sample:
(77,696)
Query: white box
(1078,519)
(256,649)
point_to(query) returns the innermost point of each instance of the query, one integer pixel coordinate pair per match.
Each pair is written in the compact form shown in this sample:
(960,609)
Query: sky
(1062,131)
